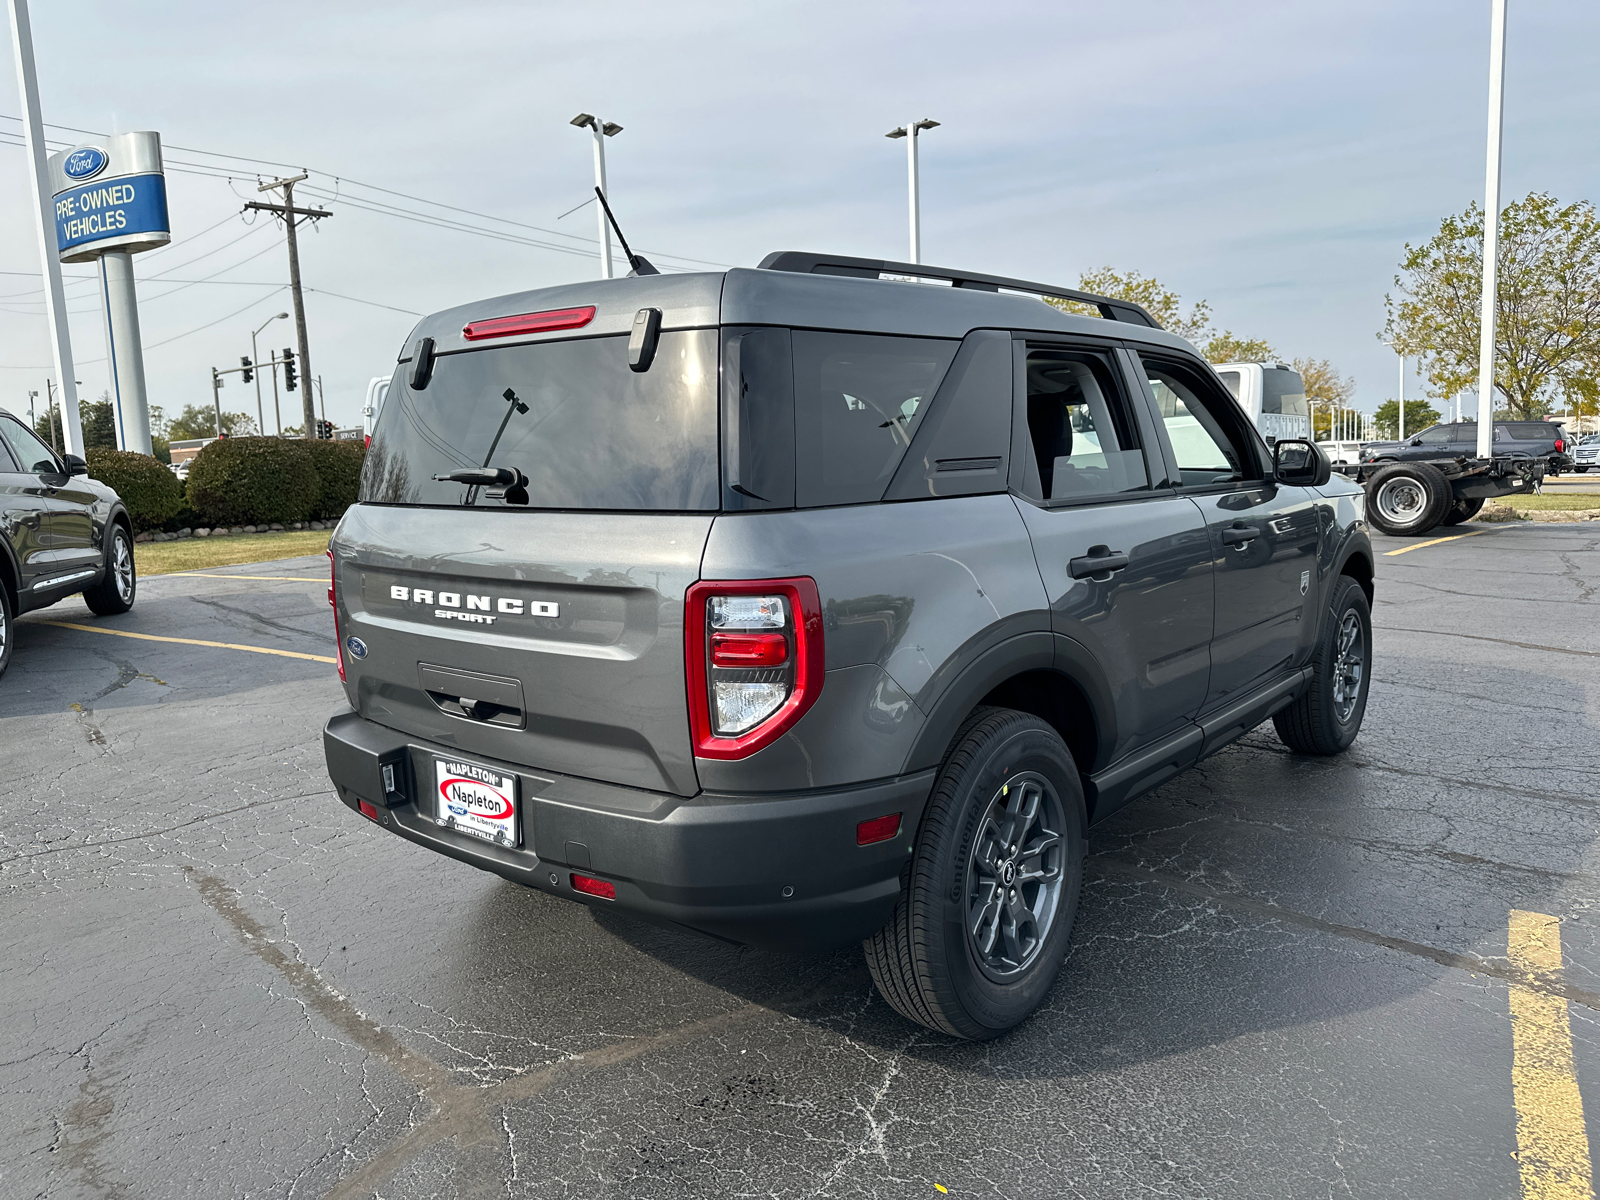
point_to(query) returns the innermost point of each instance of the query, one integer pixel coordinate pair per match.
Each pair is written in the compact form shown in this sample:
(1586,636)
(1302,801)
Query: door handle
(1100,563)
(1239,535)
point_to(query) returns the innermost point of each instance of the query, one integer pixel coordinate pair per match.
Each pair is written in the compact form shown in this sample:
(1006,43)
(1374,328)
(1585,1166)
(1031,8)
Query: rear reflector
(539,322)
(879,829)
(749,649)
(367,810)
(594,887)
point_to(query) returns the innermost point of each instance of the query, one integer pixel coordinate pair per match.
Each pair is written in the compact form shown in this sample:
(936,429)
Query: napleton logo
(473,609)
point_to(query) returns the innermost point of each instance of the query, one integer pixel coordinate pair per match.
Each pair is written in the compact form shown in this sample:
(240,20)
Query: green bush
(339,469)
(253,481)
(151,492)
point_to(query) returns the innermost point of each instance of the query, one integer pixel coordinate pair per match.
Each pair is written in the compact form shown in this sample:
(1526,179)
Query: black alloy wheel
(1326,717)
(120,584)
(979,933)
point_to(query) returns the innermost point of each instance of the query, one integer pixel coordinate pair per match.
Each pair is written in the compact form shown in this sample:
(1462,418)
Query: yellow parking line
(150,637)
(1454,537)
(209,575)
(1552,1143)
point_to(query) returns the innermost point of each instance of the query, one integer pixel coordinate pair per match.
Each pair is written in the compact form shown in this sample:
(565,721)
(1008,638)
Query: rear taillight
(333,603)
(1559,445)
(755,663)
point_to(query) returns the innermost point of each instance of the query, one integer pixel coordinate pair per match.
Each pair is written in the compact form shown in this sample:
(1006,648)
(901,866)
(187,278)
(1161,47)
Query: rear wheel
(6,628)
(1327,717)
(1461,510)
(979,933)
(1405,499)
(115,592)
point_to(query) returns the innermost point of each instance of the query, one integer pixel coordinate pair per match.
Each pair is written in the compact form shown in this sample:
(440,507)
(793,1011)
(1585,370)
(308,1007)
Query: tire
(1005,766)
(1581,470)
(1553,468)
(117,588)
(1406,499)
(1325,719)
(8,626)
(1461,510)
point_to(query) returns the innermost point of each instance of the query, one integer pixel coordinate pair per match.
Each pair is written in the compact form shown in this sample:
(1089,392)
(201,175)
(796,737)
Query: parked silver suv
(803,606)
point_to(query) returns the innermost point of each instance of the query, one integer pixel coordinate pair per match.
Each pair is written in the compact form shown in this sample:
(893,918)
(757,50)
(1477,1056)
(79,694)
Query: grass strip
(196,554)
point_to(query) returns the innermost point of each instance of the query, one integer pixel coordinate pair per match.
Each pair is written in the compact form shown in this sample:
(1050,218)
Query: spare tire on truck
(1406,499)
(1461,510)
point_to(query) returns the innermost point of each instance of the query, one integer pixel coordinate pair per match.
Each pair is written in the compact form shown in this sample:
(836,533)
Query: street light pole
(1491,226)
(254,357)
(909,131)
(601,130)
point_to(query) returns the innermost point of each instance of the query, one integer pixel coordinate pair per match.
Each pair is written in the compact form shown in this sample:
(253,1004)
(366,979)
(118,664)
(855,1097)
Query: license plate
(475,799)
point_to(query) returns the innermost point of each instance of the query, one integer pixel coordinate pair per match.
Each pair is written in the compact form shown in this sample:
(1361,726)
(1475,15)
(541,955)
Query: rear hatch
(537,619)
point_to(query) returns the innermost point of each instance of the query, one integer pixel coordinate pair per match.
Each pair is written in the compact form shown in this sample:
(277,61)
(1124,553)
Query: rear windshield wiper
(481,476)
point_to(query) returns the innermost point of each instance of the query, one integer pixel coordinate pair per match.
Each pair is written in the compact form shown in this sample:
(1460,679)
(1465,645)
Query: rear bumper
(713,862)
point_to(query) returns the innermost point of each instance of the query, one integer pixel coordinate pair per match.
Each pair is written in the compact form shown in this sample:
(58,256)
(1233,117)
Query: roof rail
(806,263)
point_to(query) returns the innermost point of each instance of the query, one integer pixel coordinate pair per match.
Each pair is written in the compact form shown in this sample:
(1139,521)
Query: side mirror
(1299,463)
(75,465)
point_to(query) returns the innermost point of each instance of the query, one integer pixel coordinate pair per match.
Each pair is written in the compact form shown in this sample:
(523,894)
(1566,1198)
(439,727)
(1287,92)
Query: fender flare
(1035,651)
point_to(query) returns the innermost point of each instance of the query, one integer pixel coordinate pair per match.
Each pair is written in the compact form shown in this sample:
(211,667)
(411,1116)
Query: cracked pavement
(1288,978)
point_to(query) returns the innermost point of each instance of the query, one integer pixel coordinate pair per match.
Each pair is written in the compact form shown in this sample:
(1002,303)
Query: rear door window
(857,401)
(584,431)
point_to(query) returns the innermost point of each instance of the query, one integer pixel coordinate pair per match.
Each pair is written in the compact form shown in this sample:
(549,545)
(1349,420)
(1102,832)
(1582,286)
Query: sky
(1270,158)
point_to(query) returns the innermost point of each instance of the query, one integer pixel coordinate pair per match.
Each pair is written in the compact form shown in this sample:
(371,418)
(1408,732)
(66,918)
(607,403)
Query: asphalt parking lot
(1290,978)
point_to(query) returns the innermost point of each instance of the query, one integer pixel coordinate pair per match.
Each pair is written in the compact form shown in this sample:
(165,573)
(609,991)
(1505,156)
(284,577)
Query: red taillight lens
(879,829)
(369,811)
(749,649)
(333,603)
(539,322)
(1559,445)
(754,661)
(594,887)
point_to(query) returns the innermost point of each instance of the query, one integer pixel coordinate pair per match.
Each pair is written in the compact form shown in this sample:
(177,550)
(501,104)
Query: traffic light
(325,430)
(247,374)
(289,377)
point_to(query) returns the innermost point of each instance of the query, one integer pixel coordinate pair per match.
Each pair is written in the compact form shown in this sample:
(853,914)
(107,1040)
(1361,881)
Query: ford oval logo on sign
(84,163)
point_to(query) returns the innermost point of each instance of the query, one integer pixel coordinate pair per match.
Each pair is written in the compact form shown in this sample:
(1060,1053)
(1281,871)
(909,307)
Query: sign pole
(55,297)
(1491,228)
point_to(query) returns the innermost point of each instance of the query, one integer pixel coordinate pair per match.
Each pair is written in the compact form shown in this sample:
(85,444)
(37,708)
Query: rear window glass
(857,401)
(584,430)
(1283,392)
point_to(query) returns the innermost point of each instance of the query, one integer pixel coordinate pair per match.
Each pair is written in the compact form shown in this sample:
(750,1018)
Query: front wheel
(115,592)
(1325,719)
(980,930)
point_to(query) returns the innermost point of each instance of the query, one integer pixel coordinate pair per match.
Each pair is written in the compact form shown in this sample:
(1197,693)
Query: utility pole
(602,130)
(288,212)
(1491,227)
(909,131)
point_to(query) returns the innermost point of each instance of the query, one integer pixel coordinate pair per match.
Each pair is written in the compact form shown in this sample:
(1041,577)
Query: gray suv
(803,606)
(60,533)
(1533,439)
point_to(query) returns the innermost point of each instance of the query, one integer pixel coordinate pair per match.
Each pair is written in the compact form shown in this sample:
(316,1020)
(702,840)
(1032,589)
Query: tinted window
(857,401)
(1436,436)
(587,432)
(1205,435)
(1083,439)
(1531,430)
(1283,392)
(1233,381)
(32,454)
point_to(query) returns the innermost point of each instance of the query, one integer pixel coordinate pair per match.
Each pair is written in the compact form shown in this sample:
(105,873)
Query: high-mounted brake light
(539,322)
(333,603)
(753,649)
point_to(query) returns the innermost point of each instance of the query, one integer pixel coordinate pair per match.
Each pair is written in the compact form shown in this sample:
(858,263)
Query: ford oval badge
(356,646)
(85,163)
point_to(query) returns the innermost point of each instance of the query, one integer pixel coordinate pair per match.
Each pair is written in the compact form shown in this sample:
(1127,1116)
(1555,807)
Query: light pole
(1401,402)
(254,356)
(909,131)
(602,130)
(1491,226)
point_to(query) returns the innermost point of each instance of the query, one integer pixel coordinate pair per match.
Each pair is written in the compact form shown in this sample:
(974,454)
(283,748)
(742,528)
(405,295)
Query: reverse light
(333,603)
(539,322)
(879,829)
(594,887)
(755,661)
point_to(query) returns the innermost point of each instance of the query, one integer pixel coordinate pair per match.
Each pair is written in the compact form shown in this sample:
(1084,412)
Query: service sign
(110,195)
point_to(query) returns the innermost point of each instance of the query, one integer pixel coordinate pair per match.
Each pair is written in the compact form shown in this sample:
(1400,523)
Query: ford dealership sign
(85,162)
(110,196)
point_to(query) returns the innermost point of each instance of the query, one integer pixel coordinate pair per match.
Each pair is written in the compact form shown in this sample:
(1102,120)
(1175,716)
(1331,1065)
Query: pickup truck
(1272,395)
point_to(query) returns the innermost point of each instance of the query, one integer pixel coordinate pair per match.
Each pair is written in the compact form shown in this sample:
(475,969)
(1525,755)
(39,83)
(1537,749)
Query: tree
(1166,306)
(99,423)
(1419,415)
(201,422)
(1547,323)
(1326,390)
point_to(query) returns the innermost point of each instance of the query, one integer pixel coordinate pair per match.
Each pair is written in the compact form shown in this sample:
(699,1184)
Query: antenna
(640,264)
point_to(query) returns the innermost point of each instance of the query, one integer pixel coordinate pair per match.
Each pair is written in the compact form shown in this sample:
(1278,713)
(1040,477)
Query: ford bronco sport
(802,606)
